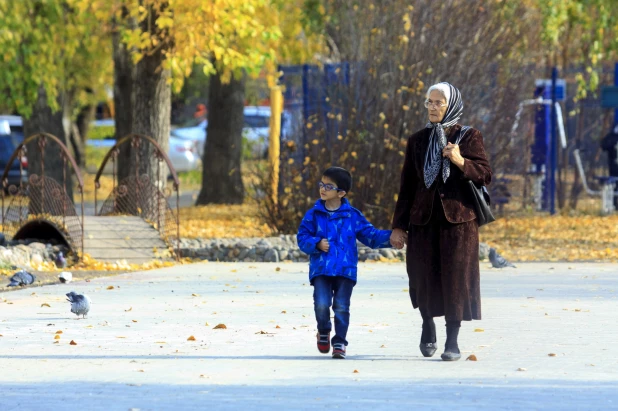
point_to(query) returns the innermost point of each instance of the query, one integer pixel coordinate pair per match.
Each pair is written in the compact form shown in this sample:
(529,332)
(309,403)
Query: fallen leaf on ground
(45,305)
(111,287)
(134,321)
(207,324)
(130,308)
(140,370)
(283,312)
(56,337)
(72,343)
(263,332)
(355,371)
(220,327)
(191,338)
(277,327)
(383,346)
(59,332)
(522,369)
(479,330)
(551,354)
(278,269)
(471,357)
(195,295)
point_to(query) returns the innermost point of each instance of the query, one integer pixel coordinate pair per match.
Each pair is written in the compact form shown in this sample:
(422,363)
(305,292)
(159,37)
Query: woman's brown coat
(442,255)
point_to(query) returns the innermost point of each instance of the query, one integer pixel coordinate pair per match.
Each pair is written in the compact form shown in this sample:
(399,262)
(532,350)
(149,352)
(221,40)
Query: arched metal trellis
(137,194)
(42,199)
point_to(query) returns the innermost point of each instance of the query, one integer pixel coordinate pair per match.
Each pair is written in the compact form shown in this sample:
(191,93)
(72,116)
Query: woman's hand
(452,152)
(323,245)
(399,238)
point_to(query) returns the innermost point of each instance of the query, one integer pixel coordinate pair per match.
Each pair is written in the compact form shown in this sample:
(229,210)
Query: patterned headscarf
(437,139)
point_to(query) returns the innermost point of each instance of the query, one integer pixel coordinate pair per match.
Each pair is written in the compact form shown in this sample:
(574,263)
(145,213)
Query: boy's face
(329,194)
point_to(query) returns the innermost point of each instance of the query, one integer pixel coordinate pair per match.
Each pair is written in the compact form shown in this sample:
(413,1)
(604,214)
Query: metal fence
(319,100)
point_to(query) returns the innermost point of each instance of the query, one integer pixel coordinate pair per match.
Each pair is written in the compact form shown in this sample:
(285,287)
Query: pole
(553,141)
(616,84)
(274,146)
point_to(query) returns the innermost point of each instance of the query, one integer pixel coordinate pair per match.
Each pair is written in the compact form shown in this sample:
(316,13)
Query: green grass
(100,133)
(95,155)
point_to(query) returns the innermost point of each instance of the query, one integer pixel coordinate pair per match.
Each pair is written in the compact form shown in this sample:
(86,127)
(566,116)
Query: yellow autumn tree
(50,55)
(165,40)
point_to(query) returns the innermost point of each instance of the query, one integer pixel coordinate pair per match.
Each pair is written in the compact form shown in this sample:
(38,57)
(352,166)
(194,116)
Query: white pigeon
(65,277)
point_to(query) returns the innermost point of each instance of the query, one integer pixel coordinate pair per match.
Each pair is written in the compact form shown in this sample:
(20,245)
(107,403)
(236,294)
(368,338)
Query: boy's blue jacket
(341,229)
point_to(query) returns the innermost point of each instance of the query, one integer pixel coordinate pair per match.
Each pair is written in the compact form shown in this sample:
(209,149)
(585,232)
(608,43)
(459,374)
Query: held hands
(452,152)
(323,245)
(399,238)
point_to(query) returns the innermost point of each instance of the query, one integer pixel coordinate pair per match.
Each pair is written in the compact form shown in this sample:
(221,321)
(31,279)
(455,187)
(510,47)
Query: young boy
(328,234)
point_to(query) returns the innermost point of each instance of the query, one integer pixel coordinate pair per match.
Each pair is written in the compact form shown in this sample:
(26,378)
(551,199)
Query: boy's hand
(398,238)
(323,245)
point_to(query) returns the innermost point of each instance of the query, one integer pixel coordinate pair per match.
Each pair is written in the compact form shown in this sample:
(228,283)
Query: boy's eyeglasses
(328,187)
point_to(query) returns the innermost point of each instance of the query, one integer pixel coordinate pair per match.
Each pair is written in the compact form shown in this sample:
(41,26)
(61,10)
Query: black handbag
(480,196)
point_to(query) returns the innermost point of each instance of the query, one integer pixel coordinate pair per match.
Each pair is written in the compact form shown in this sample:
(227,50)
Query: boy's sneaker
(324,343)
(339,351)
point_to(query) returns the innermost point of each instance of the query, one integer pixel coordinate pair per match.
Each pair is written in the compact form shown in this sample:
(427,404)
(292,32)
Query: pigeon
(22,278)
(497,261)
(65,277)
(60,261)
(80,304)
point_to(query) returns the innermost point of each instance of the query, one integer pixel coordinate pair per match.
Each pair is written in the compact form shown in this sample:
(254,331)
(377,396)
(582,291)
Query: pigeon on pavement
(497,261)
(80,304)
(60,261)
(65,277)
(22,278)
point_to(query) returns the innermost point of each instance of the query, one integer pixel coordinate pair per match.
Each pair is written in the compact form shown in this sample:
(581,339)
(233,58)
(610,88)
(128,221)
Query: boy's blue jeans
(335,291)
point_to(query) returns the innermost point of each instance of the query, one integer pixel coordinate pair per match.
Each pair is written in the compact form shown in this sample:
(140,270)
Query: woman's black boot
(451,349)
(428,344)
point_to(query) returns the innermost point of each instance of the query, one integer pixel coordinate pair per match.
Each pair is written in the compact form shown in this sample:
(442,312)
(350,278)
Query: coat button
(441,195)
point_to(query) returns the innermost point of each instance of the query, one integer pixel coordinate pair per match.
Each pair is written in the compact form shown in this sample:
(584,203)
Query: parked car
(17,128)
(7,148)
(256,129)
(182,153)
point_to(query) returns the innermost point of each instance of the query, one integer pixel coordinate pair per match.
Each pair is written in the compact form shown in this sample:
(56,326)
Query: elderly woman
(435,215)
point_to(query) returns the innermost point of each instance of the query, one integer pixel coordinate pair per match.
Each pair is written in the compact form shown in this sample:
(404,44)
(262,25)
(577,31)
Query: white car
(183,154)
(256,129)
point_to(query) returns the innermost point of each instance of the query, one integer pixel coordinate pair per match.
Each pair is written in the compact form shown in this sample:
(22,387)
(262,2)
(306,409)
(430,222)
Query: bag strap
(462,133)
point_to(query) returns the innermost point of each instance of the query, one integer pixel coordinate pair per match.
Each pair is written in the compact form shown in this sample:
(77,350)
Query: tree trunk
(47,161)
(84,118)
(77,146)
(221,176)
(79,134)
(151,116)
(124,75)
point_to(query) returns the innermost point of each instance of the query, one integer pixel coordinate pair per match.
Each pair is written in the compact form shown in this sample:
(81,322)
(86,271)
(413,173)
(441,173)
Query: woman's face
(436,114)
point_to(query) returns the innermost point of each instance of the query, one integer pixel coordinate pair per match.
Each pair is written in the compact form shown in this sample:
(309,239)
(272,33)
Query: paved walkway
(133,352)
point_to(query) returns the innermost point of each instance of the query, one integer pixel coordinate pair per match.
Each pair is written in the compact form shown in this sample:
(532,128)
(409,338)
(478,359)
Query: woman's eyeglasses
(328,187)
(436,104)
